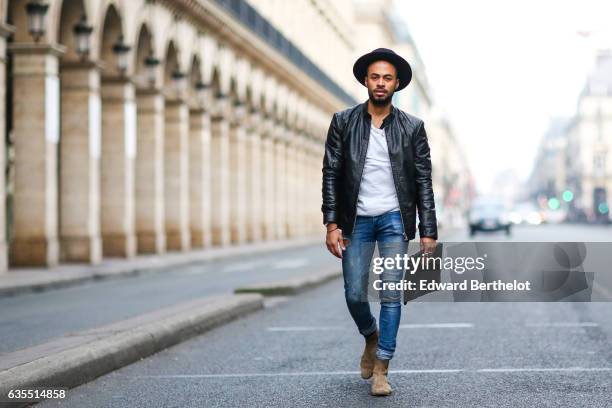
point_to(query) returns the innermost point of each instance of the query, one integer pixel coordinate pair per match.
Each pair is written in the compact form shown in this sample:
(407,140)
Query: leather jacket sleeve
(332,165)
(424,190)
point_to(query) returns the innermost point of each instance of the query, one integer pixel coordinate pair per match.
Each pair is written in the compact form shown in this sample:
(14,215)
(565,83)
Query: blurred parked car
(488,214)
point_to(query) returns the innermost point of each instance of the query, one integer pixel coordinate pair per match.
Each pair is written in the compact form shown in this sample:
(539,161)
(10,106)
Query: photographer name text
(472,284)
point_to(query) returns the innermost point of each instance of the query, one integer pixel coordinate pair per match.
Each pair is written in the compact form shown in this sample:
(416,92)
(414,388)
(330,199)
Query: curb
(291,286)
(80,357)
(58,283)
(146,264)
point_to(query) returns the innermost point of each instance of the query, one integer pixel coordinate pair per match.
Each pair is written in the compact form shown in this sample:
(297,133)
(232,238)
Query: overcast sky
(501,69)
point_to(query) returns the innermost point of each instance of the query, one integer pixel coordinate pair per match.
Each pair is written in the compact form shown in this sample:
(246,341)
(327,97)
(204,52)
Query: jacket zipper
(396,190)
(360,177)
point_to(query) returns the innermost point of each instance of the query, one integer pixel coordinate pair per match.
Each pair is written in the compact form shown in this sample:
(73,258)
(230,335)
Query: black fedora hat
(404,72)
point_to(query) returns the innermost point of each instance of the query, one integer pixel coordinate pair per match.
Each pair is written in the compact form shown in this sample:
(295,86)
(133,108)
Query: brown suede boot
(369,355)
(380,385)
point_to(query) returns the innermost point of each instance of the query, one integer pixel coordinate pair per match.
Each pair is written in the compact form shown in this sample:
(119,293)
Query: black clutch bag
(426,270)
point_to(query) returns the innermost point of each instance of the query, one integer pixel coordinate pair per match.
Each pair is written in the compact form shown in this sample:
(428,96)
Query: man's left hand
(428,245)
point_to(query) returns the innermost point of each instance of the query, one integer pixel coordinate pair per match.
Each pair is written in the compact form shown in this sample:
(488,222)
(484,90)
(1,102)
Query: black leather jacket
(345,153)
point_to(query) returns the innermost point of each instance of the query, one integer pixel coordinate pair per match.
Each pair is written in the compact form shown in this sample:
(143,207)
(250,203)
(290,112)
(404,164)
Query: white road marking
(431,326)
(519,370)
(562,324)
(306,328)
(294,374)
(290,263)
(242,266)
(436,326)
(282,264)
(430,371)
(401,326)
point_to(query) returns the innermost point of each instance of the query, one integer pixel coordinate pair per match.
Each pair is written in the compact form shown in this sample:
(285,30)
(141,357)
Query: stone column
(280,177)
(267,172)
(36,136)
(313,169)
(150,211)
(176,171)
(199,178)
(302,180)
(238,202)
(5,31)
(292,220)
(309,181)
(254,182)
(80,150)
(118,154)
(219,162)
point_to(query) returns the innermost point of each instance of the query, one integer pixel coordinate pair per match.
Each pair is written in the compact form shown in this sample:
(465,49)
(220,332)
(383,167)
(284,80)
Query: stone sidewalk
(24,280)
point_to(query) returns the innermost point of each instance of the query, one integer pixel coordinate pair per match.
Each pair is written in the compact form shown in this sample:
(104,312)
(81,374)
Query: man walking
(376,176)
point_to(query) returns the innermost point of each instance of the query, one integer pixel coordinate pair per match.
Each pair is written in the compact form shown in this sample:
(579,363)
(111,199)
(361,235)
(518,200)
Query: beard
(380,100)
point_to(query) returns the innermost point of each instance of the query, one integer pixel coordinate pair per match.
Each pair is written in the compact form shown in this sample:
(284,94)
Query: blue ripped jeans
(386,231)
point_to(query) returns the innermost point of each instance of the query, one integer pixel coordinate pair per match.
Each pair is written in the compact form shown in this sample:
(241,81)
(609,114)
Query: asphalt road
(31,319)
(304,351)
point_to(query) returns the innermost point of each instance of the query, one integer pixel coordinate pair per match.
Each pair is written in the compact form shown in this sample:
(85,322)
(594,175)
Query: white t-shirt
(377,193)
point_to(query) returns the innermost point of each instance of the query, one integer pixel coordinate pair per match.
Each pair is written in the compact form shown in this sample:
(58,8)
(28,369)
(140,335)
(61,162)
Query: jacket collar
(368,118)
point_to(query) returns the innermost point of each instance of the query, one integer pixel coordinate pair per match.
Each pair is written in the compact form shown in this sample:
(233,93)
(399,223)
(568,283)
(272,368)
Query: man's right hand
(334,241)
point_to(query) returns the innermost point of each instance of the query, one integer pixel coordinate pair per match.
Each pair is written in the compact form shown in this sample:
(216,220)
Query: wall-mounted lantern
(151,66)
(121,51)
(82,37)
(37,11)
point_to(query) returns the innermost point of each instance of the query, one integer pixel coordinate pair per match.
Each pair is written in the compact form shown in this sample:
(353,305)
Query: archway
(34,136)
(118,147)
(254,182)
(219,162)
(176,154)
(267,168)
(237,165)
(149,173)
(7,150)
(199,158)
(79,176)
(280,168)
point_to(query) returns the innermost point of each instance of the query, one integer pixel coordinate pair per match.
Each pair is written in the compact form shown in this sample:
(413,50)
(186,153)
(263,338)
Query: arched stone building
(172,125)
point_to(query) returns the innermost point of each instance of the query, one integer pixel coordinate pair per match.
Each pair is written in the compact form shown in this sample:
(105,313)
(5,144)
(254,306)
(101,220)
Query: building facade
(548,178)
(145,126)
(589,174)
(573,165)
(163,125)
